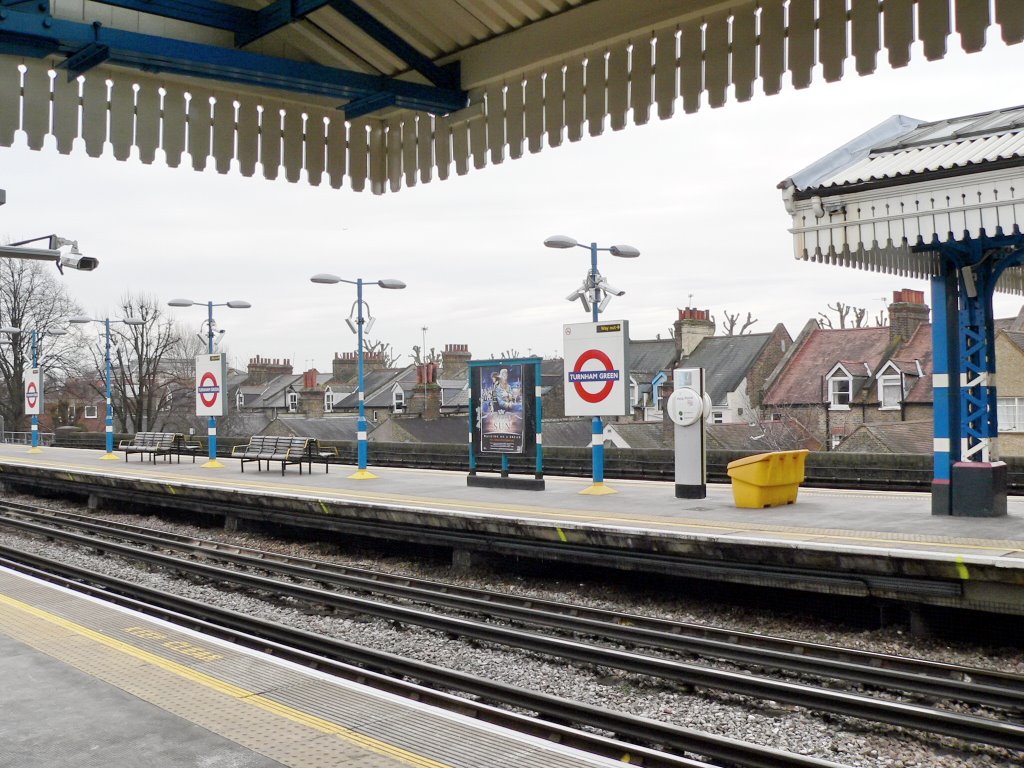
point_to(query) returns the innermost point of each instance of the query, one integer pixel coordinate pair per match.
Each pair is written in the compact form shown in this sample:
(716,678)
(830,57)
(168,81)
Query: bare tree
(32,297)
(143,379)
(418,356)
(383,350)
(843,312)
(732,320)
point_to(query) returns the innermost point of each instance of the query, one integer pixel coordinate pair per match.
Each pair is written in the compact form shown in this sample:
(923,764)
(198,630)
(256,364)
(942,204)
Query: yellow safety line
(342,495)
(228,689)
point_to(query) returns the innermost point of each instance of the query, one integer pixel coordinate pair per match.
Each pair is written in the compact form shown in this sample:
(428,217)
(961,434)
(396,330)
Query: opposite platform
(88,684)
(885,545)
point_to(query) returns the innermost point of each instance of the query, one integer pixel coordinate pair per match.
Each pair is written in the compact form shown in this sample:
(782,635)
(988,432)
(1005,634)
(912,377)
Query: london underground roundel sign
(596,369)
(210,373)
(208,389)
(605,376)
(31,394)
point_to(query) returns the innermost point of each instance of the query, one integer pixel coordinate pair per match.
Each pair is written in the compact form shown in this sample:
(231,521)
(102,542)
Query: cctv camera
(611,289)
(574,295)
(80,262)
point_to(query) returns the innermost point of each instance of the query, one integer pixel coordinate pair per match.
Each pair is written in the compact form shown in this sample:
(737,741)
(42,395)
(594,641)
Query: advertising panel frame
(211,371)
(596,375)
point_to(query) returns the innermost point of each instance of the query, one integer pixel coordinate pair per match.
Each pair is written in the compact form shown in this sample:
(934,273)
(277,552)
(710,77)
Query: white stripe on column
(940,381)
(361,435)
(109,429)
(211,430)
(540,439)
(940,445)
(596,440)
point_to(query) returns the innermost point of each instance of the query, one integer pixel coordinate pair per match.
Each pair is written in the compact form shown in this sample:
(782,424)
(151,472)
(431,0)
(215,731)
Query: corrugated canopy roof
(879,201)
(384,94)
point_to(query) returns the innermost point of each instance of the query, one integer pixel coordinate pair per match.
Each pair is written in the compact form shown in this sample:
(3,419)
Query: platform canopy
(386,93)
(878,202)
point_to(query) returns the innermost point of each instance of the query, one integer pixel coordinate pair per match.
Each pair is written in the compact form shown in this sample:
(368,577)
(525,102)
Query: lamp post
(211,428)
(362,473)
(37,336)
(107,322)
(594,294)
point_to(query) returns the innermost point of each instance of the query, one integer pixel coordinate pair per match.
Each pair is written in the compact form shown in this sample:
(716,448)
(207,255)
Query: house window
(1010,414)
(90,412)
(634,392)
(239,400)
(375,417)
(835,440)
(71,413)
(328,401)
(398,399)
(717,417)
(890,392)
(293,402)
(839,390)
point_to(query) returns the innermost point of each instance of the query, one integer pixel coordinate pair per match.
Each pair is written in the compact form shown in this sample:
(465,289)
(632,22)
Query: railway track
(932,681)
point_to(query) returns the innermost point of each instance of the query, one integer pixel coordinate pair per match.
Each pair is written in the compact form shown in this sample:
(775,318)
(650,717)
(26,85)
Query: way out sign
(210,375)
(33,380)
(596,374)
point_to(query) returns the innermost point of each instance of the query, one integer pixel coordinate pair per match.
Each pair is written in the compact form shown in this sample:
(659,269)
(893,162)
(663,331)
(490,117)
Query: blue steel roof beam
(152,53)
(444,77)
(85,59)
(207,13)
(278,14)
(364,106)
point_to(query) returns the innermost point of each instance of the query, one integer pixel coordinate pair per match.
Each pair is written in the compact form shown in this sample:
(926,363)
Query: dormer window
(398,399)
(634,392)
(890,392)
(292,399)
(840,388)
(239,400)
(328,401)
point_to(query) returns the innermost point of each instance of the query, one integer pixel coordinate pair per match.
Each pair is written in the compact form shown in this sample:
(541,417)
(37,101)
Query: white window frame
(71,412)
(889,381)
(95,412)
(398,399)
(835,440)
(1010,414)
(239,400)
(328,401)
(837,376)
(717,417)
(292,401)
(634,392)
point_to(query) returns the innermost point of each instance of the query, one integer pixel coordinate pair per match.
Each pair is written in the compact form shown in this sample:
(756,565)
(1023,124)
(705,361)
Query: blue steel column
(35,364)
(361,425)
(473,407)
(538,417)
(597,430)
(945,390)
(211,426)
(110,403)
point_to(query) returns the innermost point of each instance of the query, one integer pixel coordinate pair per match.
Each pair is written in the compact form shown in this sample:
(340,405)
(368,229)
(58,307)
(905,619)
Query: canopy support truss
(968,478)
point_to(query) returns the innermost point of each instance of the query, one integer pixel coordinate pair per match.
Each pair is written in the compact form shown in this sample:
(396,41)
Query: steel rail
(969,728)
(386,670)
(933,679)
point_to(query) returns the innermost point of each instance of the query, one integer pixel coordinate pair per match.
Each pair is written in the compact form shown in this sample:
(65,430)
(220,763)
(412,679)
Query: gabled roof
(324,428)
(801,382)
(726,360)
(567,433)
(643,434)
(786,434)
(377,386)
(649,356)
(896,437)
(1017,337)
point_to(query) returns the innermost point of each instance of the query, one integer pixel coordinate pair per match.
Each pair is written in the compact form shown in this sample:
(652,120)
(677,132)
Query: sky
(696,194)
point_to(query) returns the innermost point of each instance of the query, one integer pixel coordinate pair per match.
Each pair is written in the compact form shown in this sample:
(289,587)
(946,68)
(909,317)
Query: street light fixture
(323,278)
(594,294)
(37,335)
(211,429)
(107,322)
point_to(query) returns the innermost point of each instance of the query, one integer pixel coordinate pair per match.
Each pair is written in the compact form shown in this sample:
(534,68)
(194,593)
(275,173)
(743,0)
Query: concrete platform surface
(84,683)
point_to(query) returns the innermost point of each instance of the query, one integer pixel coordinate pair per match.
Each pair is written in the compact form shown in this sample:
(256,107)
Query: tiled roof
(447,430)
(802,381)
(898,437)
(726,360)
(324,428)
(644,435)
(1017,337)
(648,356)
(784,435)
(567,433)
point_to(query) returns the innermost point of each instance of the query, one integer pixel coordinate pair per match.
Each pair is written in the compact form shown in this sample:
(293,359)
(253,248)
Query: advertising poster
(502,418)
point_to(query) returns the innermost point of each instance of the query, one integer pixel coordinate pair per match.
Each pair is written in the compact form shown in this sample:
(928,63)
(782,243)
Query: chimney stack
(692,326)
(263,369)
(906,313)
(455,361)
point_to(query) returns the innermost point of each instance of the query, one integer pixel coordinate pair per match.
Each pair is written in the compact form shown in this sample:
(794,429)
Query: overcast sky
(696,194)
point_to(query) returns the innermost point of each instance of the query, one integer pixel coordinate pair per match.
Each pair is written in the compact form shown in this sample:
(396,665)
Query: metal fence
(25,438)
